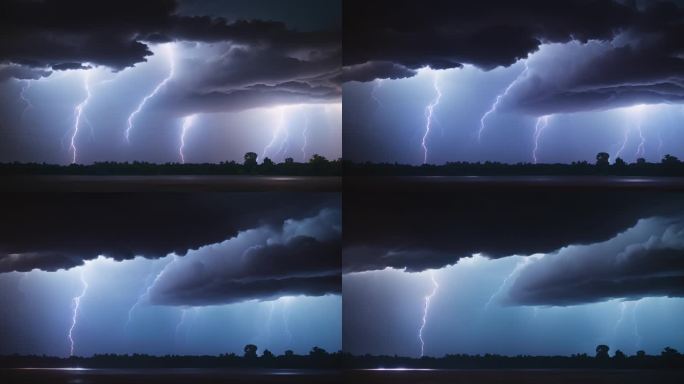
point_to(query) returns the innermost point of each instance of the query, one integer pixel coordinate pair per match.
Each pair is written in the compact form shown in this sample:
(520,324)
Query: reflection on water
(169,375)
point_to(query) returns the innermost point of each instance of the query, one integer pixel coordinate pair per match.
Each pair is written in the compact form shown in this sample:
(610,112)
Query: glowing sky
(64,105)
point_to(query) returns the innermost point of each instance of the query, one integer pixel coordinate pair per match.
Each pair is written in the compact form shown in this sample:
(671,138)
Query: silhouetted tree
(641,161)
(619,162)
(318,352)
(250,159)
(641,354)
(602,351)
(267,354)
(669,352)
(289,353)
(289,160)
(670,160)
(619,355)
(602,159)
(250,351)
(267,162)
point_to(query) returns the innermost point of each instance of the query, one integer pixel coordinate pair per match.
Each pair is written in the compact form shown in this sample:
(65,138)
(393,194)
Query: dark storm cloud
(53,231)
(446,34)
(437,222)
(370,71)
(644,261)
(68,66)
(114,34)
(239,78)
(22,73)
(300,257)
(597,75)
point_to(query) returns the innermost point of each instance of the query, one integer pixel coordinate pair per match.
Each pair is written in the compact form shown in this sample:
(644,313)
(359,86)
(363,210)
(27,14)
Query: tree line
(316,166)
(319,358)
(668,166)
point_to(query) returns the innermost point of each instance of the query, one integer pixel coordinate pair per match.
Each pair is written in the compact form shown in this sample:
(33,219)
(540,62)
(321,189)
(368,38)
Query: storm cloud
(428,224)
(298,257)
(61,231)
(582,55)
(77,34)
(644,260)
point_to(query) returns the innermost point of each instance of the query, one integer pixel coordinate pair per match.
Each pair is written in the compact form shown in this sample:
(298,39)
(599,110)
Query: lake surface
(169,376)
(514,376)
(446,183)
(164,183)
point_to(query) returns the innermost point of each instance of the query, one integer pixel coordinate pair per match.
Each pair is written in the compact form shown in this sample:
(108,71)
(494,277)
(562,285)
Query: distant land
(668,166)
(316,166)
(318,358)
(669,358)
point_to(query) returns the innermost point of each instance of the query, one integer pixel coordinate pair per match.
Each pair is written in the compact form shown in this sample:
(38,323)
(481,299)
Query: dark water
(113,184)
(172,376)
(514,376)
(446,183)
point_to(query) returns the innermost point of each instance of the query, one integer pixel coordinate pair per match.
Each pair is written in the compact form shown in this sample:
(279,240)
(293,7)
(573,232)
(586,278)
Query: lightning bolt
(518,266)
(374,92)
(624,143)
(428,115)
(187,123)
(621,319)
(184,315)
(78,113)
(286,318)
(426,308)
(76,306)
(172,67)
(22,96)
(636,324)
(640,152)
(284,146)
(542,123)
(144,295)
(276,132)
(497,101)
(660,145)
(305,137)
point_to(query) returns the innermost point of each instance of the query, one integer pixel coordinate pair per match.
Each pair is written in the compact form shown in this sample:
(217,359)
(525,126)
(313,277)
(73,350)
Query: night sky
(528,81)
(167,81)
(198,273)
(511,268)
(427,266)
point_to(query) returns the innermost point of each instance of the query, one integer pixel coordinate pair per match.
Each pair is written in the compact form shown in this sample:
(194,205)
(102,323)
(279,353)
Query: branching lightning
(187,123)
(22,96)
(172,67)
(305,137)
(374,92)
(276,132)
(624,143)
(497,101)
(636,323)
(76,306)
(78,113)
(542,123)
(640,152)
(286,318)
(426,308)
(428,116)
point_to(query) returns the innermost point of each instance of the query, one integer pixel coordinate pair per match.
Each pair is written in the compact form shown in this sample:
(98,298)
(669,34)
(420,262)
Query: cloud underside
(54,231)
(609,53)
(299,257)
(645,260)
(252,63)
(229,247)
(574,227)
